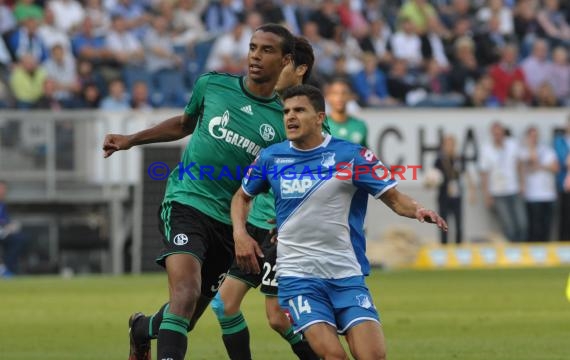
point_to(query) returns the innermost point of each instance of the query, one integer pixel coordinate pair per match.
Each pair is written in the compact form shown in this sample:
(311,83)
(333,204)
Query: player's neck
(264,89)
(310,142)
(339,116)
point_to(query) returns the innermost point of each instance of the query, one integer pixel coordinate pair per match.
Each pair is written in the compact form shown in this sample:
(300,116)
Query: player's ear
(321,118)
(286,60)
(301,70)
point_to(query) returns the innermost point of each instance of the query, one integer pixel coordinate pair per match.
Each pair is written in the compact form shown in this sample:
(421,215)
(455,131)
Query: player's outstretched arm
(404,205)
(247,249)
(171,129)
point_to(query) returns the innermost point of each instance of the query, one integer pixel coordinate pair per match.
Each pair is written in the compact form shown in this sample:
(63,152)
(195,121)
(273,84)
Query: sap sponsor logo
(296,188)
(180,239)
(284,160)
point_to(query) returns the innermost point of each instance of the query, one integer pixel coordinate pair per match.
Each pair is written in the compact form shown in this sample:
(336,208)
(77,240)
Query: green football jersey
(353,130)
(263,207)
(233,126)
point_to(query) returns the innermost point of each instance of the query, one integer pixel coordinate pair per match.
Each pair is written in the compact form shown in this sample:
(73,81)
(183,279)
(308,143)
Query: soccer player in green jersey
(226,304)
(342,124)
(231,119)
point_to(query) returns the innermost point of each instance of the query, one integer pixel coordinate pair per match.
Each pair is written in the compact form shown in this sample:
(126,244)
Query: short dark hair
(314,95)
(287,39)
(304,55)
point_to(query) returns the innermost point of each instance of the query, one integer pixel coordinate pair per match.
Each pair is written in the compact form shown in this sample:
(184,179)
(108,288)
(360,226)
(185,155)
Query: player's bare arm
(404,205)
(171,129)
(247,249)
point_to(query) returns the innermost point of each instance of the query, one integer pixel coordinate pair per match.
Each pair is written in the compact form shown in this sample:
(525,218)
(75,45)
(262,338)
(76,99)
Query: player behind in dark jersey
(226,304)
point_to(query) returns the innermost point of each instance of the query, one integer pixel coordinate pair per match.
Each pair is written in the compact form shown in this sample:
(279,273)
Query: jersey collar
(324,144)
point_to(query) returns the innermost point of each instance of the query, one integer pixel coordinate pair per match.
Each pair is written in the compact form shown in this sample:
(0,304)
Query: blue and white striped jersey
(321,197)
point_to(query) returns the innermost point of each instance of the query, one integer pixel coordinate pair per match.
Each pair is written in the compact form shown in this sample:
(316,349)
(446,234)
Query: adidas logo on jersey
(247,109)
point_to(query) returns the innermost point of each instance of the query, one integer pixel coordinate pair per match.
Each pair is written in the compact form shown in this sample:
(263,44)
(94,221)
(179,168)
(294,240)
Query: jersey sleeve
(370,174)
(255,180)
(192,109)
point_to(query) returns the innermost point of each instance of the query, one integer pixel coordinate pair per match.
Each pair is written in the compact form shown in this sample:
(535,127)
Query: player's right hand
(247,252)
(115,142)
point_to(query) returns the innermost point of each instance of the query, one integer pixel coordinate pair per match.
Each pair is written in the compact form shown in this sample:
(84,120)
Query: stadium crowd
(141,54)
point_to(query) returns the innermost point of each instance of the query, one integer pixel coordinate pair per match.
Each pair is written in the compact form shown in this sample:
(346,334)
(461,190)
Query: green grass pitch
(440,315)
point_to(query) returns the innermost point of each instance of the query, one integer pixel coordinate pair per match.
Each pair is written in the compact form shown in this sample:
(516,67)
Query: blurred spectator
(325,50)
(124,46)
(12,239)
(26,40)
(406,44)
(342,124)
(68,14)
(88,46)
(4,97)
(118,99)
(352,20)
(526,25)
(290,15)
(536,67)
(545,96)
(86,76)
(490,43)
(27,81)
(50,34)
(90,97)
(435,82)
(140,98)
(419,13)
(163,64)
(540,165)
(553,24)
(562,148)
(100,20)
(433,47)
(451,190)
(229,52)
(496,8)
(349,47)
(465,72)
(61,68)
(559,75)
(502,182)
(134,16)
(327,19)
(7,19)
(25,9)
(49,100)
(506,72)
(518,96)
(457,11)
(188,27)
(400,83)
(482,97)
(5,59)
(220,17)
(380,34)
(370,84)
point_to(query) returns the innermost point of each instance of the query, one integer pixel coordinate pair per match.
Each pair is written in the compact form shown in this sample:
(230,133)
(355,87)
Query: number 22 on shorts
(302,306)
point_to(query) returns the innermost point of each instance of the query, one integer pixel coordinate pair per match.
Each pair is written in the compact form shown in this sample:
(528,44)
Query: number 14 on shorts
(301,307)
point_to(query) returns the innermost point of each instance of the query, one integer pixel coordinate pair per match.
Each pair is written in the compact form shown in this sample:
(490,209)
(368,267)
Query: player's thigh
(276,317)
(269,285)
(250,279)
(306,302)
(231,294)
(324,341)
(366,341)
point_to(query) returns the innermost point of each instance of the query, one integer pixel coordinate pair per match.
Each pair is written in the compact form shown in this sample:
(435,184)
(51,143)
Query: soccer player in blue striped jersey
(321,186)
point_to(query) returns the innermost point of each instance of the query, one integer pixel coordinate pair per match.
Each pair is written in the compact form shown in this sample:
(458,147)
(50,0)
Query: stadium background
(85,215)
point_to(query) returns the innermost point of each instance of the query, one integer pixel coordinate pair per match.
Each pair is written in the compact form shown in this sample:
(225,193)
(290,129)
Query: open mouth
(255,68)
(292,126)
